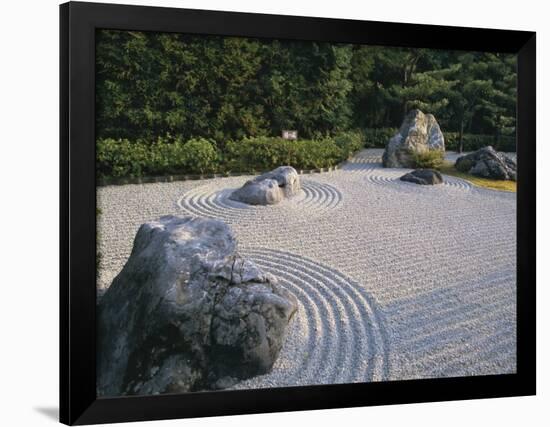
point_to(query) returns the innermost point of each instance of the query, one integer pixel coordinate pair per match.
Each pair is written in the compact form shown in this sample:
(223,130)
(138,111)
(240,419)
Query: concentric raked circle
(390,177)
(314,198)
(362,162)
(370,156)
(336,336)
(369,163)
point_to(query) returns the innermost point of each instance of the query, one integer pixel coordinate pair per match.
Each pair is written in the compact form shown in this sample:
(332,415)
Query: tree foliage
(180,86)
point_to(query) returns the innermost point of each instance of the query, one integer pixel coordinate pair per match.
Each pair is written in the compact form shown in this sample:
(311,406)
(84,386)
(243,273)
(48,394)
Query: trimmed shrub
(473,142)
(168,155)
(428,159)
(171,155)
(378,138)
(264,153)
(200,156)
(313,154)
(350,142)
(122,158)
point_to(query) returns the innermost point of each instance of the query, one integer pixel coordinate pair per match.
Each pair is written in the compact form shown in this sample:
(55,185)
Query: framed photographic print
(274,213)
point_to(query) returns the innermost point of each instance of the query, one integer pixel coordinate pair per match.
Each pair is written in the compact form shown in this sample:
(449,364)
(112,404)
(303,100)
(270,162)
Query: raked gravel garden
(393,280)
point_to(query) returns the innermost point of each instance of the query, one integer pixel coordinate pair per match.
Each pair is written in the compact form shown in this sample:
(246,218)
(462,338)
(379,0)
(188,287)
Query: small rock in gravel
(423,177)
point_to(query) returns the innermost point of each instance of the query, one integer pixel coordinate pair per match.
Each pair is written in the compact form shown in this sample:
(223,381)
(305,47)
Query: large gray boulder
(269,188)
(265,192)
(419,133)
(488,163)
(187,313)
(423,177)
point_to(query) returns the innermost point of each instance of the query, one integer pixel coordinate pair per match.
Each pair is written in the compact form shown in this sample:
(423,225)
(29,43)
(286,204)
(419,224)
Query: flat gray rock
(419,133)
(423,177)
(488,163)
(187,313)
(269,188)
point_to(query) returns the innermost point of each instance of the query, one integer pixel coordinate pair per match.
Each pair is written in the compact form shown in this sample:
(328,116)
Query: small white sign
(290,134)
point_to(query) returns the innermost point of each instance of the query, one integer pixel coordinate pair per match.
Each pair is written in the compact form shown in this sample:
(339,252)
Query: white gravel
(394,280)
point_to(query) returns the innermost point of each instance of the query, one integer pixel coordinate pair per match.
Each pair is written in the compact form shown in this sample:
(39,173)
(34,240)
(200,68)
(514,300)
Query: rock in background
(488,163)
(187,313)
(269,188)
(419,133)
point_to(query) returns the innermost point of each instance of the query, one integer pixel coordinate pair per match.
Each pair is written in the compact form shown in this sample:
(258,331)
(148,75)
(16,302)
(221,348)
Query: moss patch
(448,168)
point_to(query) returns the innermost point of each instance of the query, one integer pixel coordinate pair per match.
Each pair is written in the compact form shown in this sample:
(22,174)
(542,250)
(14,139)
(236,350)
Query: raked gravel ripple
(394,280)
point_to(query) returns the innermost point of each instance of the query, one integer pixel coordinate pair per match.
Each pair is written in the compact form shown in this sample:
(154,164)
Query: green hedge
(268,153)
(264,153)
(171,155)
(474,142)
(377,138)
(350,142)
(123,158)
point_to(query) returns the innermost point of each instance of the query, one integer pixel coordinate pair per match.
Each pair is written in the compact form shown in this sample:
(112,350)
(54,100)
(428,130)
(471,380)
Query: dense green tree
(484,88)
(306,87)
(179,87)
(498,108)
(470,87)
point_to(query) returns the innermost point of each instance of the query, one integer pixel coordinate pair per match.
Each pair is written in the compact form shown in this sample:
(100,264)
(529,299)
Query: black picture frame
(78,401)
